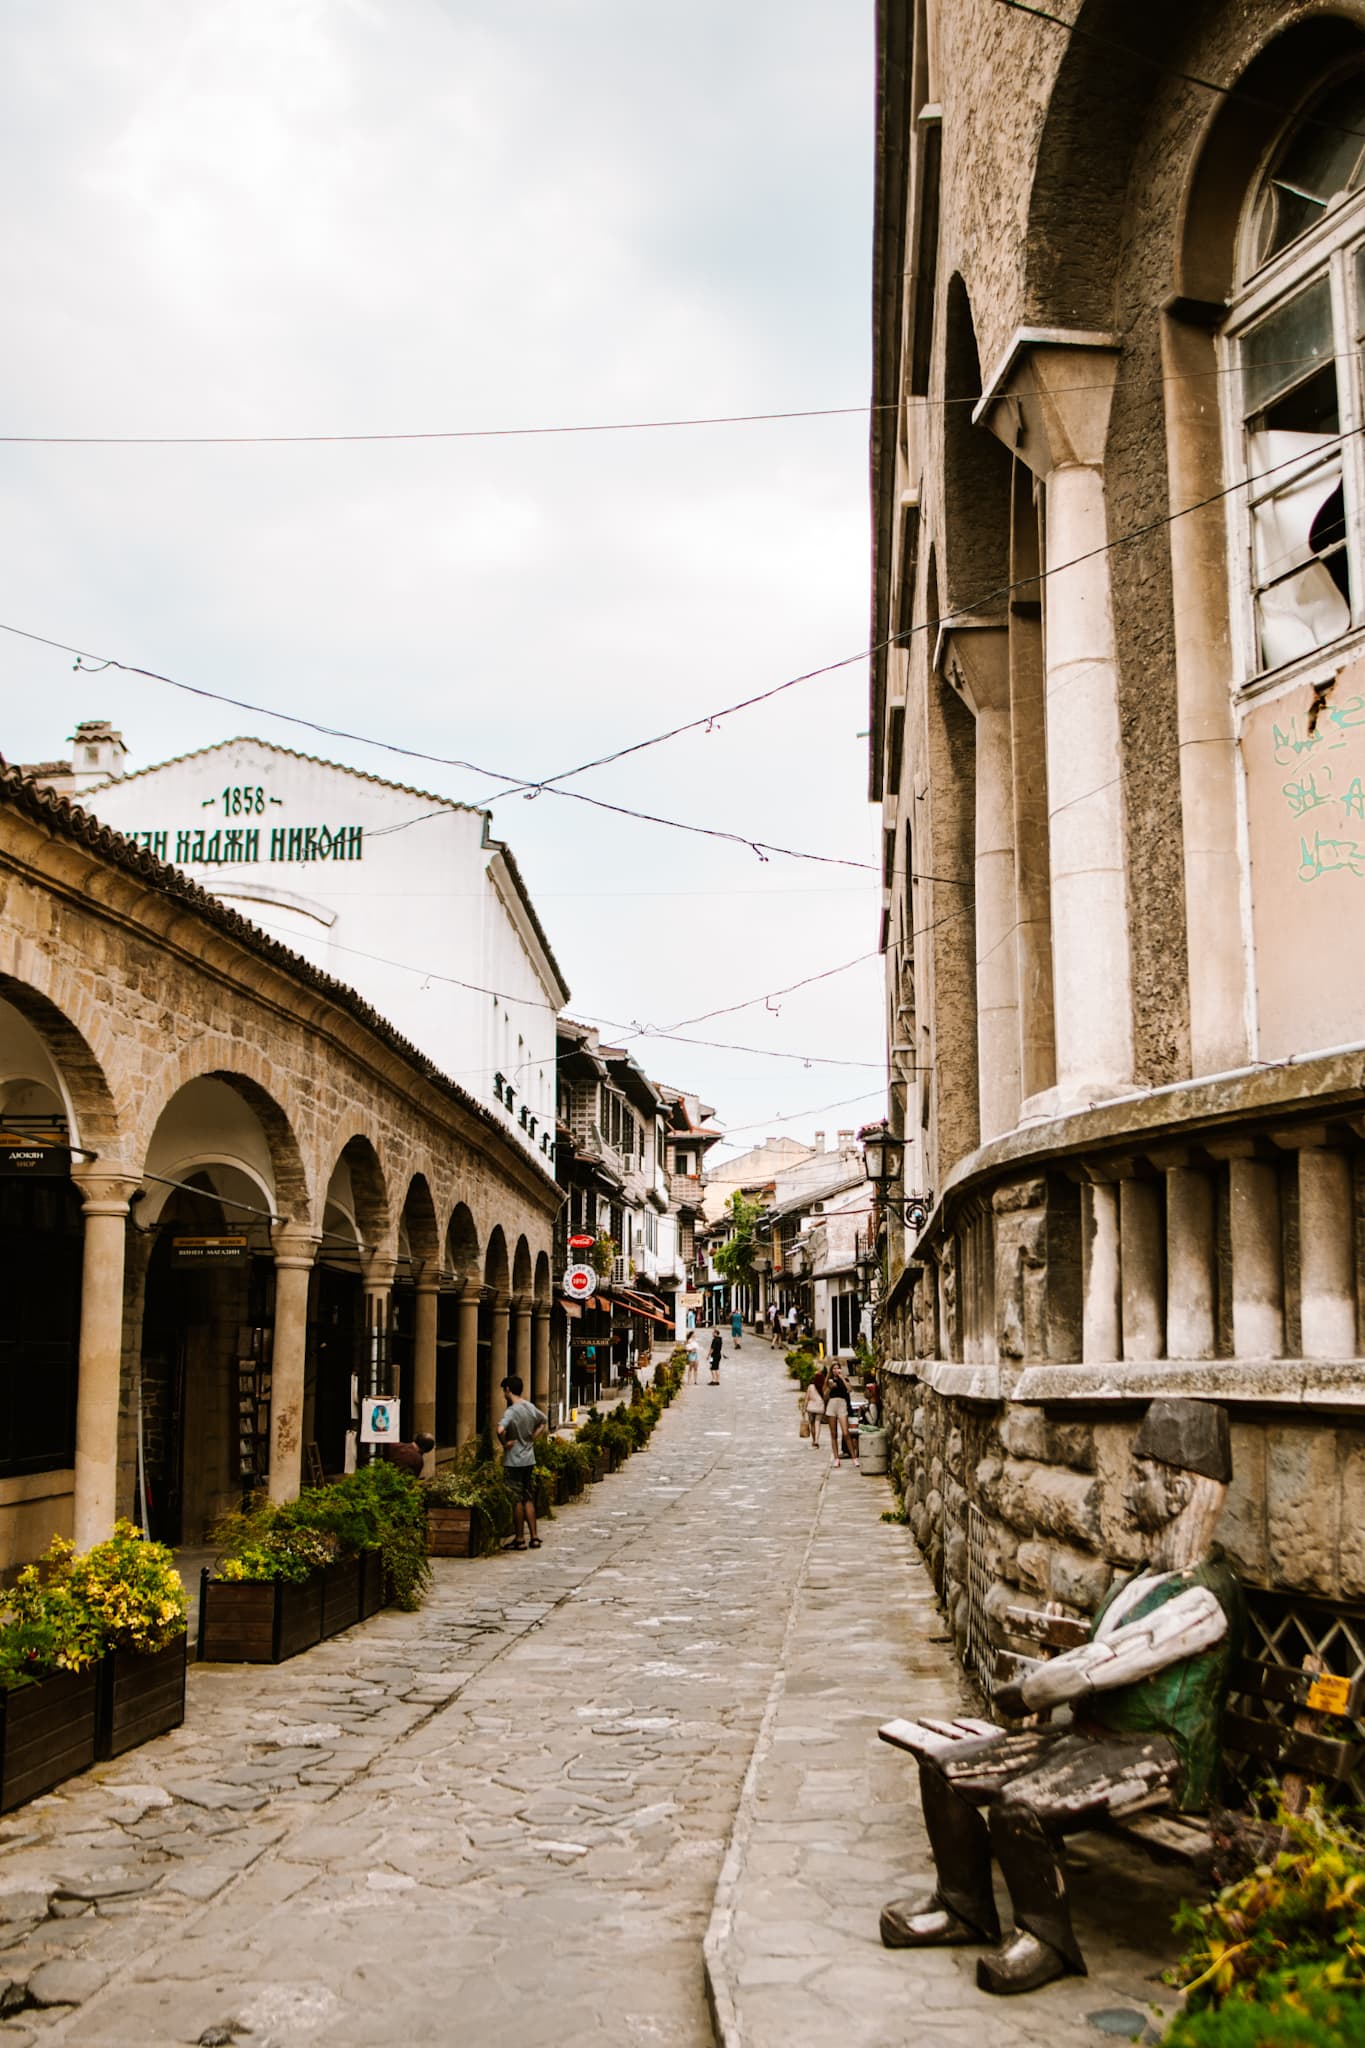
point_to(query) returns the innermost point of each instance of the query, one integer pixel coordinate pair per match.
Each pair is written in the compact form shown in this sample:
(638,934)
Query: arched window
(1295,338)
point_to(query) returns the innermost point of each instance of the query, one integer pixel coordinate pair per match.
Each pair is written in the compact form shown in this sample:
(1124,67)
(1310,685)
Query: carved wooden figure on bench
(1146,1693)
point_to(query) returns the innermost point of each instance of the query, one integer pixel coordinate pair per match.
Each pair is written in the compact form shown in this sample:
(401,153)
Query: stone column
(540,1359)
(1028,737)
(977,665)
(104,1200)
(1191,1264)
(467,1362)
(1142,1271)
(1257,1254)
(521,1342)
(1217,952)
(1327,1304)
(1100,1325)
(376,1373)
(423,1418)
(1051,407)
(498,1367)
(295,1250)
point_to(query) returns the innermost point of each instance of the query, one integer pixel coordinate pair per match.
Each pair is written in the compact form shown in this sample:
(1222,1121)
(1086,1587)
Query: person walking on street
(837,1403)
(693,1356)
(775,1324)
(717,1346)
(815,1405)
(736,1328)
(517,1430)
(791,1324)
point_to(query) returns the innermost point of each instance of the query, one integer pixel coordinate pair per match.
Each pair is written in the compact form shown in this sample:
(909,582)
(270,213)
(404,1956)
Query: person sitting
(411,1457)
(1147,1693)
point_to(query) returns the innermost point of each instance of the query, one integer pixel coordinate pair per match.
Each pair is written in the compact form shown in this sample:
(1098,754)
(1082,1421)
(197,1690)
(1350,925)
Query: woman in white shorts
(837,1401)
(815,1405)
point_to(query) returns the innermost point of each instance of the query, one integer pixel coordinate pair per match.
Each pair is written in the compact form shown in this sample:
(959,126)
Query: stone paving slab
(829,1827)
(505,1819)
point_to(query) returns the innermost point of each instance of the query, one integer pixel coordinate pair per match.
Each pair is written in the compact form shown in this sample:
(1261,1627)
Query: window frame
(1329,250)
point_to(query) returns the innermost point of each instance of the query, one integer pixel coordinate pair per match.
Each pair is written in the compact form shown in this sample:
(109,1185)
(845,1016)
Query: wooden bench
(1299,1754)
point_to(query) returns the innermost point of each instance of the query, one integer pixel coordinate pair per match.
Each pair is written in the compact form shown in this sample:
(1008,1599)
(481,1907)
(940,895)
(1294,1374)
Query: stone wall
(1050,1483)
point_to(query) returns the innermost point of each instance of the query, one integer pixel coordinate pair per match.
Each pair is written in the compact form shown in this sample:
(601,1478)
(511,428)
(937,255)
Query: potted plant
(92,1660)
(293,1572)
(469,1510)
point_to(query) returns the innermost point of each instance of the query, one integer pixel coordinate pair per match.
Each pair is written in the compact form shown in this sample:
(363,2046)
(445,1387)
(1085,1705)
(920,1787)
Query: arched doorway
(201,1394)
(354,1224)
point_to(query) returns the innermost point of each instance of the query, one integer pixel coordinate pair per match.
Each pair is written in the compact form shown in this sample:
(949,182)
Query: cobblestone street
(506,1818)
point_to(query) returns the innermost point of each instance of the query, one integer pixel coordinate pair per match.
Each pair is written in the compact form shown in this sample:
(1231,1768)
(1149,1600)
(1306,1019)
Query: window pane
(1299,558)
(1284,349)
(1319,159)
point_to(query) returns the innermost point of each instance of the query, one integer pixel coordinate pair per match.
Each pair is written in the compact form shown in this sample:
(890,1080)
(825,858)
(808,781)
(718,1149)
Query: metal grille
(978,1651)
(1284,1629)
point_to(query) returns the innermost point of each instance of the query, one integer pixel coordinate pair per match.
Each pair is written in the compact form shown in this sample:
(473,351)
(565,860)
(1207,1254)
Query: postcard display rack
(253,1405)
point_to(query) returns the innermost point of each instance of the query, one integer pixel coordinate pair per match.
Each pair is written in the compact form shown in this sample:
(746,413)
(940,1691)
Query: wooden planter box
(47,1733)
(340,1595)
(244,1623)
(139,1696)
(374,1589)
(568,1486)
(601,1465)
(454,1532)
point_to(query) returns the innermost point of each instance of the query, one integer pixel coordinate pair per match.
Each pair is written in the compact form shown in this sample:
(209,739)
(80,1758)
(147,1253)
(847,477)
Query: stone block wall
(1051,1483)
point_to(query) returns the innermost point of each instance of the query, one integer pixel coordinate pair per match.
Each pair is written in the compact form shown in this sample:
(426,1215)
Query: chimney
(845,1138)
(819,1141)
(97,754)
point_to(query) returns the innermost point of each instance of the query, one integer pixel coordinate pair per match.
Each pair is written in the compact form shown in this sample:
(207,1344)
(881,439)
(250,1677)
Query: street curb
(720,1991)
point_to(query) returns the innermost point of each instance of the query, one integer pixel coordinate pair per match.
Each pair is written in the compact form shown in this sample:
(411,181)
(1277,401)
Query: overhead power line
(763,848)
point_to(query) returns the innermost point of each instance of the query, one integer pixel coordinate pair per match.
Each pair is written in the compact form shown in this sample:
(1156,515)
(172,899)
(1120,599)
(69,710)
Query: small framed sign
(379,1419)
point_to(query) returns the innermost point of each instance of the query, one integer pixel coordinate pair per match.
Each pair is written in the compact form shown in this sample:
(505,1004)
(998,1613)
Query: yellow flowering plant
(70,1608)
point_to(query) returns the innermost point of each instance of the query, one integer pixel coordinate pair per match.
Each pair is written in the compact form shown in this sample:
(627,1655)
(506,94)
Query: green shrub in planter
(802,1365)
(379,1508)
(70,1608)
(474,1481)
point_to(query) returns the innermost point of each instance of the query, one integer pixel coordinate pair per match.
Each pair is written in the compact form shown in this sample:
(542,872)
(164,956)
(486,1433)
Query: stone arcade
(271,1194)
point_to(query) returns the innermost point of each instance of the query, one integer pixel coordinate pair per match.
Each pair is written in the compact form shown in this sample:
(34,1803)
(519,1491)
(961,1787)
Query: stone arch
(495,1264)
(249,1075)
(541,1287)
(1116,59)
(462,1245)
(79,1075)
(521,1270)
(1238,136)
(976,474)
(419,1222)
(222,1142)
(357,1188)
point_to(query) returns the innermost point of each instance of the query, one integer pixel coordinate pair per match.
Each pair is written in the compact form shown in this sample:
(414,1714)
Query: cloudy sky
(346,217)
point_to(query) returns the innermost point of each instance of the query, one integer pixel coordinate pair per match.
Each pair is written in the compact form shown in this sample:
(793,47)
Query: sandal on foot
(514,1546)
(535,1543)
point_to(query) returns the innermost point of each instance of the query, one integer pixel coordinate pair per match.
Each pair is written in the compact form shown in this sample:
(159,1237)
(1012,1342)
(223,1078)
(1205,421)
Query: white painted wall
(417,903)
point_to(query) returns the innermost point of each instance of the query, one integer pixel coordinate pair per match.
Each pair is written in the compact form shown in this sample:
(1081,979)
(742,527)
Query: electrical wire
(738,419)
(761,847)
(825,975)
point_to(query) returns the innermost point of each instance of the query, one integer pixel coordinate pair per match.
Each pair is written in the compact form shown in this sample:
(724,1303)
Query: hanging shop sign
(379,1419)
(581,1241)
(230,1250)
(30,1157)
(580,1282)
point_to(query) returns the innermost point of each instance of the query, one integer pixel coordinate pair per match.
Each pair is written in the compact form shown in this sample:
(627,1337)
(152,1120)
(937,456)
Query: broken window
(1298,346)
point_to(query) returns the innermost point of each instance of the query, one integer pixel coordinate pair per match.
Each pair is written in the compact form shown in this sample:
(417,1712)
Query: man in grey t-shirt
(518,1428)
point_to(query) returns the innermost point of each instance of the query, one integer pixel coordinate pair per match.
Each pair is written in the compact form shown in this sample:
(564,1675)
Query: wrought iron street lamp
(884,1161)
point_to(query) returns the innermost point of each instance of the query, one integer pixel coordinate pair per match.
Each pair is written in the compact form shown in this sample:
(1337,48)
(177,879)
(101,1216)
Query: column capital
(542,1311)
(471,1291)
(974,655)
(295,1244)
(500,1300)
(378,1269)
(426,1276)
(1048,397)
(105,1193)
